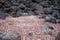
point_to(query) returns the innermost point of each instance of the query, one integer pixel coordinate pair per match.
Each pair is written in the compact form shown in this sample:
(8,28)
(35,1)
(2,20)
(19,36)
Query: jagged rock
(22,6)
(48,10)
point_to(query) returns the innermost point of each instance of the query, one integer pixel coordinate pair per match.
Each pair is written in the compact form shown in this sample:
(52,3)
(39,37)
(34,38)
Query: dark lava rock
(39,10)
(19,13)
(50,18)
(9,36)
(56,14)
(30,7)
(58,36)
(14,8)
(30,13)
(48,10)
(45,4)
(22,6)
(27,9)
(2,15)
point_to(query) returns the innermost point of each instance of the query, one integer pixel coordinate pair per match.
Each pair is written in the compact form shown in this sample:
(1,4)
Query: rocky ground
(29,28)
(29,19)
(18,8)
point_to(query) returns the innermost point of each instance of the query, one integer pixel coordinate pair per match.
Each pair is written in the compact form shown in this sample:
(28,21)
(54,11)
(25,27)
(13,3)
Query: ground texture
(29,27)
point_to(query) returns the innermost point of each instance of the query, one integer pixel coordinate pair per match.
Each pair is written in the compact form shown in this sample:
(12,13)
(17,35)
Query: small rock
(50,18)
(47,30)
(56,14)
(9,36)
(19,13)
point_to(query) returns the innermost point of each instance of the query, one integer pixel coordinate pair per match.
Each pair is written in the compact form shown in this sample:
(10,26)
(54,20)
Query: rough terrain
(29,27)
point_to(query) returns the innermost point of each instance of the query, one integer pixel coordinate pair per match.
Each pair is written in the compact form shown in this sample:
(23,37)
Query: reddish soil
(29,24)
